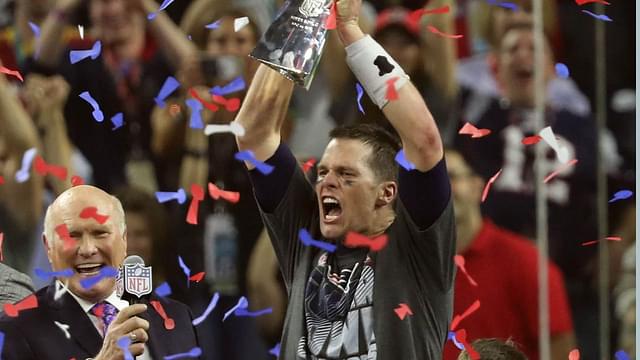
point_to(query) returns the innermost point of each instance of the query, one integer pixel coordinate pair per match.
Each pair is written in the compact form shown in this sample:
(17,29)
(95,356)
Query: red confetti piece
(461,335)
(197,277)
(1,240)
(561,169)
(440,33)
(1,180)
(392,93)
(76,180)
(210,106)
(458,318)
(610,238)
(92,212)
(459,260)
(98,310)
(43,168)
(531,140)
(574,354)
(308,165)
(403,310)
(217,193)
(485,192)
(15,73)
(330,22)
(198,195)
(63,233)
(582,2)
(169,323)
(415,15)
(30,302)
(354,239)
(231,105)
(469,129)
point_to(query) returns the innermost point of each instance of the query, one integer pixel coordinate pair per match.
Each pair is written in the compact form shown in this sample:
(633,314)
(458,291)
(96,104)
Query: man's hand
(347,14)
(125,324)
(43,94)
(67,5)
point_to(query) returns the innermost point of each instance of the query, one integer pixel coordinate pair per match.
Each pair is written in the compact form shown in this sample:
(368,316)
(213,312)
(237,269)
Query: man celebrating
(72,321)
(353,303)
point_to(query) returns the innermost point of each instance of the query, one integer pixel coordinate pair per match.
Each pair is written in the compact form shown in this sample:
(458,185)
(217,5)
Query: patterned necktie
(106,312)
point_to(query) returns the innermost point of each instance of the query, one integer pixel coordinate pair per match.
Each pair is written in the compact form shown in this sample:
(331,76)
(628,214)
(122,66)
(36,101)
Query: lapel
(67,310)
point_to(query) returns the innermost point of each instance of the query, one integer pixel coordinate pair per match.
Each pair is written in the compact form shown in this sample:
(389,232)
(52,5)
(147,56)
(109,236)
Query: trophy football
(294,42)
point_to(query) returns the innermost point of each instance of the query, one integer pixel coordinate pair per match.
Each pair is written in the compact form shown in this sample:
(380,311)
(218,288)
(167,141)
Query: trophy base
(300,78)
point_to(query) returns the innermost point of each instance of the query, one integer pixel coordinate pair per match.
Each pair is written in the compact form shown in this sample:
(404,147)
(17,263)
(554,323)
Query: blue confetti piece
(599,17)
(185,268)
(621,195)
(247,155)
(165,4)
(402,160)
(123,343)
(105,272)
(76,56)
(242,304)
(245,312)
(46,275)
(508,5)
(275,351)
(35,28)
(164,196)
(452,336)
(210,307)
(360,92)
(562,70)
(1,341)
(170,85)
(213,25)
(117,120)
(620,355)
(307,240)
(196,117)
(97,114)
(163,289)
(23,174)
(234,85)
(195,352)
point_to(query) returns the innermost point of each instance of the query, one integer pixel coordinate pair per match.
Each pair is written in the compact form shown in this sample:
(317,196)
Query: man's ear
(478,187)
(387,193)
(47,247)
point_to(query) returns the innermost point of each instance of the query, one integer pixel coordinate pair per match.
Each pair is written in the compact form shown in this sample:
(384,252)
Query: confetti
(185,269)
(458,318)
(197,195)
(233,127)
(76,180)
(46,275)
(117,120)
(230,105)
(620,355)
(64,328)
(330,21)
(561,169)
(163,289)
(210,307)
(8,71)
(22,175)
(168,87)
(599,17)
(91,212)
(452,336)
(621,195)
(1,179)
(248,156)
(610,238)
(217,193)
(1,241)
(242,304)
(531,140)
(392,93)
(360,94)
(197,277)
(275,351)
(235,85)
(245,312)
(574,354)
(97,113)
(508,5)
(105,272)
(485,192)
(562,70)
(461,335)
(402,160)
(195,122)
(193,353)
(165,196)
(460,262)
(81,31)
(308,165)
(60,290)
(35,28)
(561,151)
(354,239)
(169,323)
(63,233)
(582,2)
(307,240)
(214,25)
(469,129)
(403,310)
(42,168)
(2,342)
(165,4)
(124,343)
(75,56)
(239,23)
(13,310)
(440,33)
(415,15)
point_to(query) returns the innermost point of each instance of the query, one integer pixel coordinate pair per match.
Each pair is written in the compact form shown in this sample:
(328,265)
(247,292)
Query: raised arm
(50,43)
(263,113)
(408,114)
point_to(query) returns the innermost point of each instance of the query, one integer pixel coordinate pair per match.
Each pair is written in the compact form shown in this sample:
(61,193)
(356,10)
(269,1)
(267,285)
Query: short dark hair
(384,147)
(494,349)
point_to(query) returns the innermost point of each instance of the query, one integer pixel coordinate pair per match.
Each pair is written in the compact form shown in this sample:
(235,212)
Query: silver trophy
(294,42)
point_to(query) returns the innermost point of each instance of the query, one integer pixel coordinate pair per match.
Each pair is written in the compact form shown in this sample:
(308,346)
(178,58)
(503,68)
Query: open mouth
(89,269)
(524,74)
(331,208)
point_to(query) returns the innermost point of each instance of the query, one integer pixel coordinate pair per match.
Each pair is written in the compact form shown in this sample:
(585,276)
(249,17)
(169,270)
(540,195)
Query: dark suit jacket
(34,335)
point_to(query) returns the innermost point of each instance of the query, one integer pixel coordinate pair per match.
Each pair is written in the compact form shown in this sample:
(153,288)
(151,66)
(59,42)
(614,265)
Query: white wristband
(374,67)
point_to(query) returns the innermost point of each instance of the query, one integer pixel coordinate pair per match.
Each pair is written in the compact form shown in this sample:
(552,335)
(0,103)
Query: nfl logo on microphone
(137,279)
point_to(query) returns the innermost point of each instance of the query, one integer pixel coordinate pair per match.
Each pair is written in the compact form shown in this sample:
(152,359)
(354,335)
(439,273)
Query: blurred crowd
(484,78)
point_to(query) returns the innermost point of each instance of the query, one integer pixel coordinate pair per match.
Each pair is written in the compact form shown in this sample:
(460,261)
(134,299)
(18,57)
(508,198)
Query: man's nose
(87,246)
(330,179)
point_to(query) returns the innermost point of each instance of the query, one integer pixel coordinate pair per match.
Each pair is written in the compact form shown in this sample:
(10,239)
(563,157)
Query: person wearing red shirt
(504,267)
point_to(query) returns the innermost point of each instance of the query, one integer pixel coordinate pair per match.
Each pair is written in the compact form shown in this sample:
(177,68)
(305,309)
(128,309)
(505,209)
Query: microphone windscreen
(132,260)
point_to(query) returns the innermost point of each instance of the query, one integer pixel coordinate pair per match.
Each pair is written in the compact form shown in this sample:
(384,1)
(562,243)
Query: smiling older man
(72,321)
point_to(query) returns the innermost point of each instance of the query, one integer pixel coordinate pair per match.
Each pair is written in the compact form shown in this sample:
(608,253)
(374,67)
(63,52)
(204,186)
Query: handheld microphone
(134,283)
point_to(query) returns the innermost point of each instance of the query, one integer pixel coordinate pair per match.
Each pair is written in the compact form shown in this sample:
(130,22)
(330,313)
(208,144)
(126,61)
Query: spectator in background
(125,78)
(494,349)
(504,266)
(14,285)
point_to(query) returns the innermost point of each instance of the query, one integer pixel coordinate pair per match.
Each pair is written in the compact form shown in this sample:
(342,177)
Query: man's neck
(467,231)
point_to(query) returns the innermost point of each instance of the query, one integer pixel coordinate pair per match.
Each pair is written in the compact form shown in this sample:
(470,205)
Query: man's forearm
(49,45)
